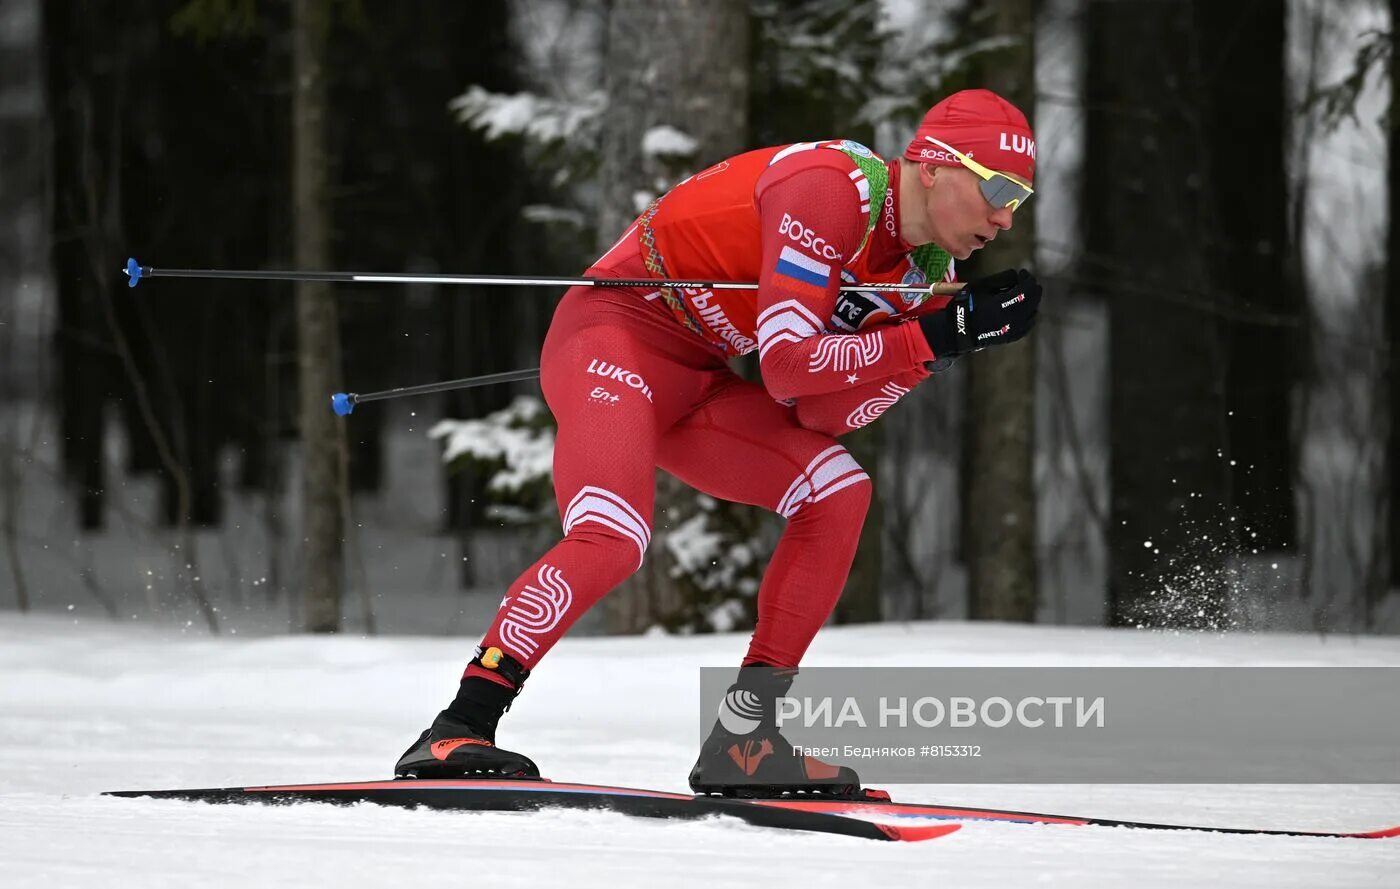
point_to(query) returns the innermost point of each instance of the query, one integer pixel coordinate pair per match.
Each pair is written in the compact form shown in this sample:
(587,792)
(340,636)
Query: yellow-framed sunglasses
(1000,189)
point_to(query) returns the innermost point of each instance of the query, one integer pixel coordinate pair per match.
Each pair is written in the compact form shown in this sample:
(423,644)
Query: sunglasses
(1000,189)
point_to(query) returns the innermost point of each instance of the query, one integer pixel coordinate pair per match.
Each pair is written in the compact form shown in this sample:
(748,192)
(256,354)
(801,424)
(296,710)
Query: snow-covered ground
(92,706)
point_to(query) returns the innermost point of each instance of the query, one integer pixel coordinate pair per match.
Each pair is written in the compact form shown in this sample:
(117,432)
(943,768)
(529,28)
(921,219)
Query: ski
(898,813)
(503,795)
(875,818)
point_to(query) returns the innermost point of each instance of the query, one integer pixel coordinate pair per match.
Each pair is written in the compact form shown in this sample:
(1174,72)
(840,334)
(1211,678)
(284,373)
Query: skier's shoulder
(845,155)
(819,166)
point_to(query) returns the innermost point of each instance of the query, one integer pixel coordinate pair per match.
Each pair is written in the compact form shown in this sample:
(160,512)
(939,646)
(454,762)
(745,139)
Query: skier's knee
(832,481)
(603,519)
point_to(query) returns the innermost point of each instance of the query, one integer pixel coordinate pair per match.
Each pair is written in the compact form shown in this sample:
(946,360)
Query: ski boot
(461,742)
(746,756)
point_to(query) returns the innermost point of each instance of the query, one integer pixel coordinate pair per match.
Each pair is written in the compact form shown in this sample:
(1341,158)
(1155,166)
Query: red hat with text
(983,126)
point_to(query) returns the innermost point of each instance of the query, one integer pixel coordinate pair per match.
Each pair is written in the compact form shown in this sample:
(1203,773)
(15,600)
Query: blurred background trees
(1199,433)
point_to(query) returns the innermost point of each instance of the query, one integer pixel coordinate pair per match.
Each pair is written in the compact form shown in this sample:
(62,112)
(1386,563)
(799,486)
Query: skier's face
(959,218)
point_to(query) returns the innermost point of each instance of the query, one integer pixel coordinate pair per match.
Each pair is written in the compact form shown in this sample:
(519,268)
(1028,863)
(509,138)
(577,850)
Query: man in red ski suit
(637,378)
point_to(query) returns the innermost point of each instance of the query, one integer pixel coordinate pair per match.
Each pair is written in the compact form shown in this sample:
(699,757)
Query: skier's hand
(997,309)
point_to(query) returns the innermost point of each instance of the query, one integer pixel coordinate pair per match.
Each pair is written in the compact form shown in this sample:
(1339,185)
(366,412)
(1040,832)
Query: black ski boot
(745,756)
(461,742)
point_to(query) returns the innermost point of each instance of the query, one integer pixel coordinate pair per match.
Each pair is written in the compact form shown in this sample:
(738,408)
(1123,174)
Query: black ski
(874,818)
(502,795)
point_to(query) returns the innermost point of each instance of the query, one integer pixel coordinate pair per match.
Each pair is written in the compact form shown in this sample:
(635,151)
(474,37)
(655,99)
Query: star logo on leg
(851,379)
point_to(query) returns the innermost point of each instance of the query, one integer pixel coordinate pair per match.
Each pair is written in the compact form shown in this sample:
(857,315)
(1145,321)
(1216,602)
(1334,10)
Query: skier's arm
(812,220)
(837,413)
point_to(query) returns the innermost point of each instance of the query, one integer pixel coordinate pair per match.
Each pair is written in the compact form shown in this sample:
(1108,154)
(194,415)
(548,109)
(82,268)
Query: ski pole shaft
(344,402)
(135,272)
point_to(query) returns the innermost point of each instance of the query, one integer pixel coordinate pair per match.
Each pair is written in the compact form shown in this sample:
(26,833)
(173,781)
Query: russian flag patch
(800,273)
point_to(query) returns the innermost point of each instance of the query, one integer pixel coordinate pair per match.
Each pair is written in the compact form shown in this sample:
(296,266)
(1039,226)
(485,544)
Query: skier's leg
(742,446)
(604,473)
(611,392)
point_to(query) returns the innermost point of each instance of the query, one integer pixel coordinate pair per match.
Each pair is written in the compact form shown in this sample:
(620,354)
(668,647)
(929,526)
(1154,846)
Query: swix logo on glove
(994,333)
(962,322)
(808,238)
(1018,298)
(622,375)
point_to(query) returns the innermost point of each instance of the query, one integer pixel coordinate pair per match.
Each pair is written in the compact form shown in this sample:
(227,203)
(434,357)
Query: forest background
(1201,433)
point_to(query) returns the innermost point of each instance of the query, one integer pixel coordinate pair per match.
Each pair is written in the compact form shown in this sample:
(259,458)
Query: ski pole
(135,272)
(344,402)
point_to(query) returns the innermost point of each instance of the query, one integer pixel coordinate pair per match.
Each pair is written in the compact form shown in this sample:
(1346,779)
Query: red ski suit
(638,378)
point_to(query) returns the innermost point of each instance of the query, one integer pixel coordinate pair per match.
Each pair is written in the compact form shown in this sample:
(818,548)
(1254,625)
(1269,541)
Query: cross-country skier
(637,378)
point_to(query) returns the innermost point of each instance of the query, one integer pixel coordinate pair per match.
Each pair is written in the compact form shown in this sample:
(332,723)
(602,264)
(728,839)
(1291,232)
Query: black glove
(997,309)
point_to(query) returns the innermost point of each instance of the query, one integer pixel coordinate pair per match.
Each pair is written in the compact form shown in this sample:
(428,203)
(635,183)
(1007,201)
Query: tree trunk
(682,64)
(1392,298)
(318,339)
(1144,225)
(999,518)
(21,136)
(1242,55)
(76,101)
